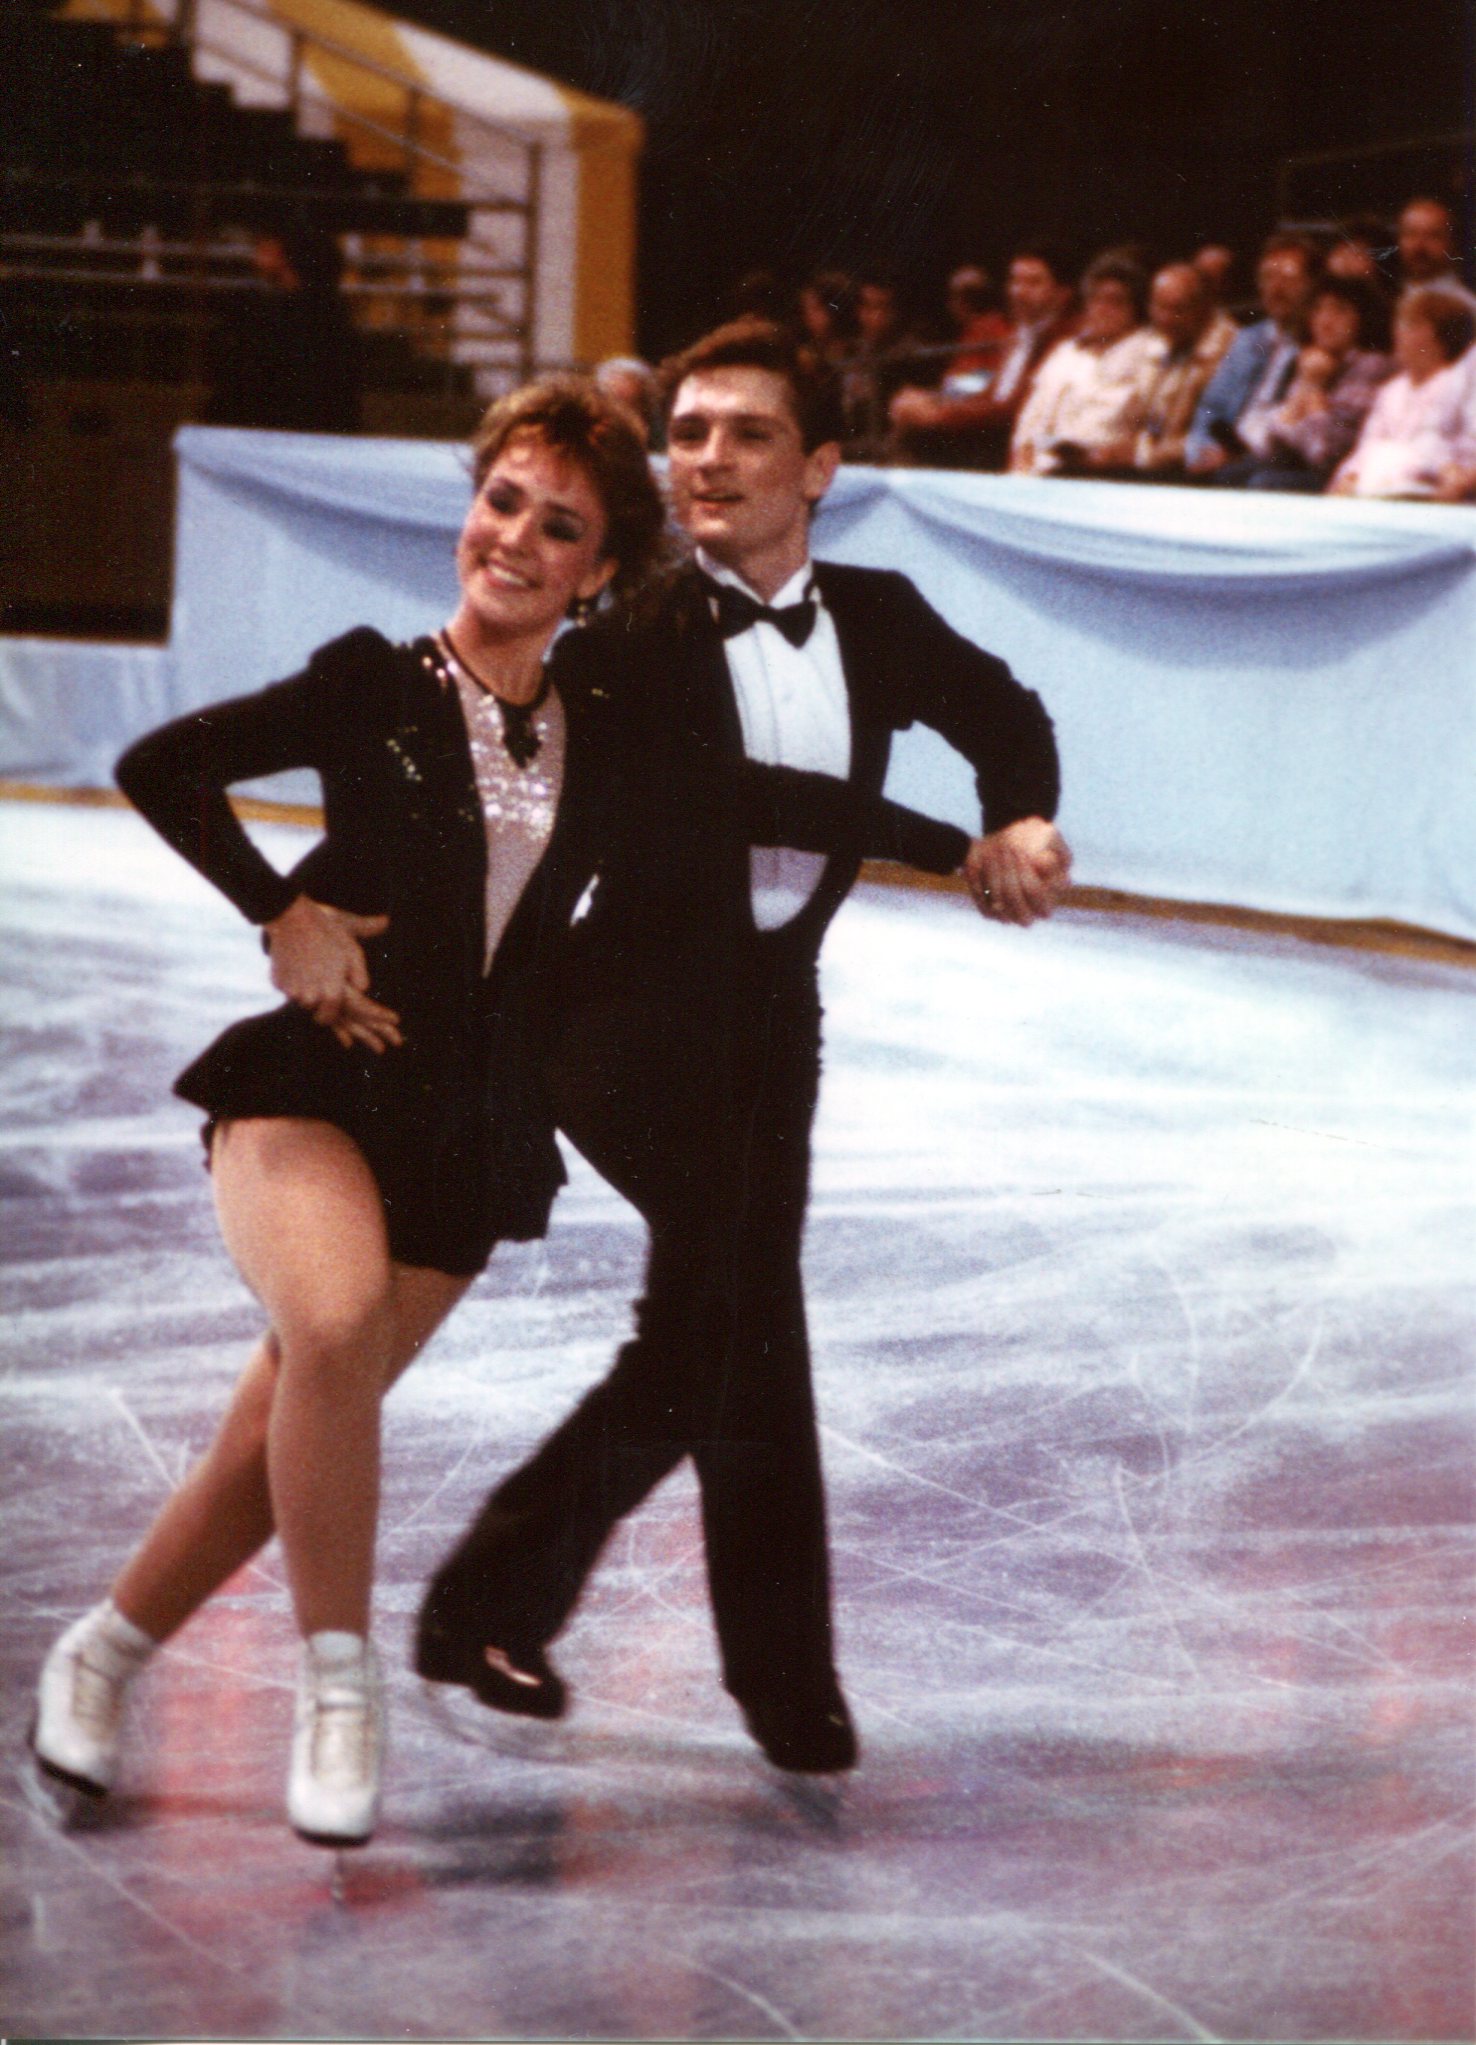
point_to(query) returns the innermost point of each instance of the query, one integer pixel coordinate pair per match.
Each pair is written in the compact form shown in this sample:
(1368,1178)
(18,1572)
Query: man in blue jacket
(1234,415)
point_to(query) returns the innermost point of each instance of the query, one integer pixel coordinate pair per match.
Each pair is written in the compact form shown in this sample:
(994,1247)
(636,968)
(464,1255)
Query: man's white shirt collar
(794,591)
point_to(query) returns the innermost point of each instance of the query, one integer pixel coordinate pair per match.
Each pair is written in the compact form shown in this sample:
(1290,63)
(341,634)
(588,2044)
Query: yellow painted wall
(608,143)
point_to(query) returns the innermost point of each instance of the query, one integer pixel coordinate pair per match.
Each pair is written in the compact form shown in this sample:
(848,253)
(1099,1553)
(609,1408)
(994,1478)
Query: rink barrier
(1403,940)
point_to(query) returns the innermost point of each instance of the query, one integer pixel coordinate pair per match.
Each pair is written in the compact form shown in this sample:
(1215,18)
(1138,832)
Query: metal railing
(1292,167)
(176,22)
(128,285)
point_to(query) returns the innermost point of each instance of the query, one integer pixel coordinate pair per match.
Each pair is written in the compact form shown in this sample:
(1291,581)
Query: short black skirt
(458,1137)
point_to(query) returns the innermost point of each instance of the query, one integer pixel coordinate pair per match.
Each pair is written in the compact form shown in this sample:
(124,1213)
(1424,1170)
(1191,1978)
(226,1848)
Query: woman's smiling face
(532,545)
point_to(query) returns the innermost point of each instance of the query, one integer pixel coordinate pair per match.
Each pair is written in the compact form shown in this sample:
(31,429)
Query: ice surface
(1141,1275)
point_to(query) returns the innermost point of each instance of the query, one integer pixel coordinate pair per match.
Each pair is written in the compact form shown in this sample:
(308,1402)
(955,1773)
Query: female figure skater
(362,1169)
(368,1148)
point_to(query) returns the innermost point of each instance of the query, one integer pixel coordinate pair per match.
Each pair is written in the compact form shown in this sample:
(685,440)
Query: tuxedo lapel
(864,648)
(704,686)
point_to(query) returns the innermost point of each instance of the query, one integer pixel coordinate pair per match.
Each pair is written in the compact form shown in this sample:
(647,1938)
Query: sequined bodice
(519,804)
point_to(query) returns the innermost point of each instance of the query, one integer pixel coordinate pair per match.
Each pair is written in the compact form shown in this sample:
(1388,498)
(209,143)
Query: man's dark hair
(879,279)
(837,293)
(763,344)
(1052,253)
(973,286)
(1290,244)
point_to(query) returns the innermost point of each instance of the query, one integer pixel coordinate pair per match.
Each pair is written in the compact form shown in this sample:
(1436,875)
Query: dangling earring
(583,608)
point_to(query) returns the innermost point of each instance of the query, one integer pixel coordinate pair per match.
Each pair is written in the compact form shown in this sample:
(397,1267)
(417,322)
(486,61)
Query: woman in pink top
(1409,438)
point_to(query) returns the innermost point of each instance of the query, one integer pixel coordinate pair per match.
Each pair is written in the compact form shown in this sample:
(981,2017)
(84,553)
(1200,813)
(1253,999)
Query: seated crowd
(1339,377)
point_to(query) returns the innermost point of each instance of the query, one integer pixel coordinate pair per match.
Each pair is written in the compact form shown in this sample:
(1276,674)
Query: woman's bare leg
(222,1514)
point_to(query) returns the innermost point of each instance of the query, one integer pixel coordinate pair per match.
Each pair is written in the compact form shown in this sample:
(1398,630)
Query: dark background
(920,133)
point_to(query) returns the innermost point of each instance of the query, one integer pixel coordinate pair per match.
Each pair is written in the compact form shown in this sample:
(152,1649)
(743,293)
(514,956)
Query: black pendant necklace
(519,736)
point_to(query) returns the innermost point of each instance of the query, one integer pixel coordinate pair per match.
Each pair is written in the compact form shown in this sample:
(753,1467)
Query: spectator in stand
(1457,482)
(827,316)
(1427,247)
(288,356)
(1362,246)
(1413,436)
(1077,409)
(1337,378)
(877,367)
(1190,337)
(981,331)
(1231,430)
(630,383)
(1215,264)
(972,430)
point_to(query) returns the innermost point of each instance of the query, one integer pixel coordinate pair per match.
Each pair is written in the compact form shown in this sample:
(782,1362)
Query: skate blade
(60,1803)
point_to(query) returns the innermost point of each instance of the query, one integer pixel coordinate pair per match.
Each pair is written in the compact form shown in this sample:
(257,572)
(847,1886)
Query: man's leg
(758,1461)
(707,1131)
(633,1085)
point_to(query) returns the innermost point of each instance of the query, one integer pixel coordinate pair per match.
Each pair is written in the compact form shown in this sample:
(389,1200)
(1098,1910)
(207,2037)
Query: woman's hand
(318,962)
(1020,873)
(1317,365)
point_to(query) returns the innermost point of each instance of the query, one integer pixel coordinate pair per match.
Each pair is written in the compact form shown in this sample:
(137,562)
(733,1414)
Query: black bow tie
(737,610)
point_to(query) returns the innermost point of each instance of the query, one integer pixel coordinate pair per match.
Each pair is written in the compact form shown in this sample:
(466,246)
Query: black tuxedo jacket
(676,875)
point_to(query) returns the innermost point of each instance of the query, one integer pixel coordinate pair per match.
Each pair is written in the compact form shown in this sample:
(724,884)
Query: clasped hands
(1019,874)
(1015,875)
(318,961)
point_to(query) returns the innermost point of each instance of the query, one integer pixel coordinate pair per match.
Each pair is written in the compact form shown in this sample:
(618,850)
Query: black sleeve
(971,699)
(818,813)
(177,776)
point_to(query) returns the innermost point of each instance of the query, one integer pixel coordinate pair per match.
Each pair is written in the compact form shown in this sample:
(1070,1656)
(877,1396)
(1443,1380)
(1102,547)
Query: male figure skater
(688,1064)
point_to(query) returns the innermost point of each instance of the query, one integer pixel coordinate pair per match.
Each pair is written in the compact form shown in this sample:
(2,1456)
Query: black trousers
(700,1114)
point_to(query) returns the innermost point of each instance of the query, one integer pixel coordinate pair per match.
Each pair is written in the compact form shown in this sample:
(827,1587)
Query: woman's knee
(339,1344)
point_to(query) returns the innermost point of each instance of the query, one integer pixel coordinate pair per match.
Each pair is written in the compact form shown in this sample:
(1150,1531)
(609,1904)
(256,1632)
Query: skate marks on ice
(1139,1273)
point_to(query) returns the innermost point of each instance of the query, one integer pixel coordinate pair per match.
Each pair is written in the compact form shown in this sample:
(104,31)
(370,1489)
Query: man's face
(741,481)
(1354,259)
(1179,306)
(876,313)
(1032,291)
(1284,285)
(1425,238)
(967,290)
(1214,262)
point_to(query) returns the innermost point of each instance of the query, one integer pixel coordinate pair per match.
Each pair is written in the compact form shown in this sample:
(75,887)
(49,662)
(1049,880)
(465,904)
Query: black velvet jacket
(403,835)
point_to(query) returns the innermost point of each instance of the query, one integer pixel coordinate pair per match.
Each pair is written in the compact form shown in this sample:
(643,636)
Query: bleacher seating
(131,192)
(98,125)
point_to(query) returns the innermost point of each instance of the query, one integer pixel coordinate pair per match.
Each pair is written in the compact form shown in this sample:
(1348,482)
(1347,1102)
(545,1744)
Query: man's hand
(1208,460)
(1020,873)
(318,962)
